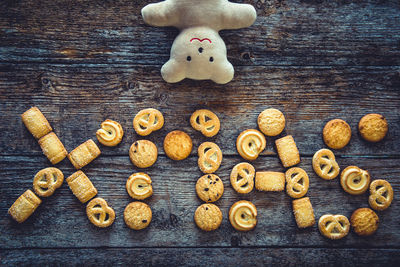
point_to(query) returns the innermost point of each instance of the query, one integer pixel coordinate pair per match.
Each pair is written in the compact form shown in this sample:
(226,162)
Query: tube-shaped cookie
(36,122)
(84,154)
(53,148)
(81,186)
(24,206)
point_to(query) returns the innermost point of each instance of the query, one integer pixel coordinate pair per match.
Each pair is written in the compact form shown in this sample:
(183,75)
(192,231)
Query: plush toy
(199,52)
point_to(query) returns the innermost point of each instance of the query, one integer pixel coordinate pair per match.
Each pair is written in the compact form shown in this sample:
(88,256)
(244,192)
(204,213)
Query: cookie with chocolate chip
(137,215)
(209,188)
(208,217)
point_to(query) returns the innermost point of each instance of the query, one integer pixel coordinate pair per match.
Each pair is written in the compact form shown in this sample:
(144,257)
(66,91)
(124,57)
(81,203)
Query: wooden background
(84,61)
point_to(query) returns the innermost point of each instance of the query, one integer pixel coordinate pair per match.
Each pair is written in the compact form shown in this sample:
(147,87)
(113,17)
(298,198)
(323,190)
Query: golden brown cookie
(24,206)
(110,133)
(99,213)
(81,186)
(354,180)
(303,212)
(46,181)
(206,122)
(52,148)
(208,217)
(364,221)
(137,215)
(210,157)
(325,165)
(287,151)
(373,127)
(243,215)
(36,122)
(139,186)
(297,182)
(334,226)
(178,145)
(271,122)
(84,154)
(336,133)
(381,195)
(270,181)
(209,188)
(147,121)
(143,153)
(250,143)
(242,177)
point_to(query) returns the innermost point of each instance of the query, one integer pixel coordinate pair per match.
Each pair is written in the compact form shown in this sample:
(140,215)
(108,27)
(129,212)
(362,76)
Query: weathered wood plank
(201,257)
(290,32)
(76,99)
(61,222)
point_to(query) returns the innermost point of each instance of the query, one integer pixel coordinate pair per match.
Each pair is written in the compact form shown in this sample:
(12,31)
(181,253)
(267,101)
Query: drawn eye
(188,58)
(211,59)
(201,50)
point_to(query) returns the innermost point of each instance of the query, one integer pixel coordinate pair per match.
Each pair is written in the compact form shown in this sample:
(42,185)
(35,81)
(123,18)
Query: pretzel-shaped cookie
(242,177)
(147,121)
(110,133)
(381,195)
(250,143)
(210,157)
(99,213)
(46,181)
(243,215)
(297,182)
(334,226)
(354,180)
(139,186)
(206,122)
(325,165)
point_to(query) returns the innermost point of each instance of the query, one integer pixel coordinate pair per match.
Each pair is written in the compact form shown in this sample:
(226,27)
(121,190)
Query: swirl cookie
(271,122)
(364,221)
(52,148)
(354,180)
(110,133)
(210,157)
(137,215)
(373,127)
(84,154)
(36,122)
(270,181)
(336,134)
(381,195)
(139,186)
(178,145)
(334,226)
(46,181)
(24,206)
(242,177)
(250,143)
(208,217)
(287,151)
(81,186)
(243,215)
(297,182)
(99,213)
(209,188)
(206,122)
(143,153)
(147,121)
(303,212)
(325,165)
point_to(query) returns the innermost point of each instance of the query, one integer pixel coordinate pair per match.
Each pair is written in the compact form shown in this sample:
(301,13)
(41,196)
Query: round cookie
(137,215)
(139,186)
(243,215)
(143,153)
(209,188)
(373,127)
(271,122)
(208,217)
(364,221)
(178,145)
(336,133)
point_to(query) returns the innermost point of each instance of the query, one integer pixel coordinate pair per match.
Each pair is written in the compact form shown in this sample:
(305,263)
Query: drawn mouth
(200,40)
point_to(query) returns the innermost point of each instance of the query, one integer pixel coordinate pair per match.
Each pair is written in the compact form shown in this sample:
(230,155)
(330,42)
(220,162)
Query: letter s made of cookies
(198,52)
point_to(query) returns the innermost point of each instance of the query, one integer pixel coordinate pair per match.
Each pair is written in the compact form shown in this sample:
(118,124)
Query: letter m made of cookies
(198,52)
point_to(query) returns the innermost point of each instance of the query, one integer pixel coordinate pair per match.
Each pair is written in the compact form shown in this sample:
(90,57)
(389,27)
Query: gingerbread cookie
(143,153)
(354,180)
(24,206)
(243,215)
(210,157)
(137,215)
(209,188)
(52,148)
(99,213)
(271,122)
(36,122)
(147,121)
(206,122)
(84,154)
(139,186)
(325,165)
(250,143)
(242,177)
(110,133)
(373,127)
(46,181)
(270,181)
(364,221)
(336,134)
(381,195)
(297,182)
(287,151)
(334,226)
(303,212)
(178,145)
(208,217)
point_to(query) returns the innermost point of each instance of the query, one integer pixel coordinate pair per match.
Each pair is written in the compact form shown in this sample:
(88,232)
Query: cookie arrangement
(209,187)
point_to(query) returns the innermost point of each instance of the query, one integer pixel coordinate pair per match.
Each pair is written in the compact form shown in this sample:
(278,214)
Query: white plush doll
(198,52)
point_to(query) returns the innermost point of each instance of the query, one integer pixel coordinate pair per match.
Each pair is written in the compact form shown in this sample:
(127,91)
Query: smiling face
(199,54)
